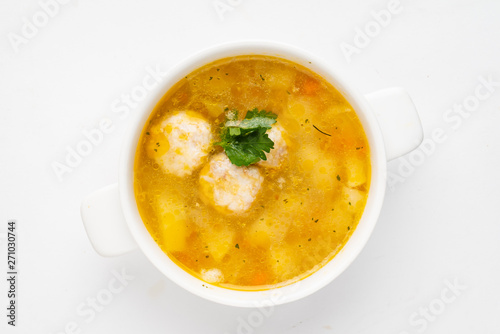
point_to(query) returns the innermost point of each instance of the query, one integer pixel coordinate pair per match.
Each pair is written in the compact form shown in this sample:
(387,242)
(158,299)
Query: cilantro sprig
(245,141)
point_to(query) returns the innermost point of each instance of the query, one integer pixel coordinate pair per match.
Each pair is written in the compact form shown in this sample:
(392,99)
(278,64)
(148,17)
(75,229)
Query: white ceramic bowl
(391,125)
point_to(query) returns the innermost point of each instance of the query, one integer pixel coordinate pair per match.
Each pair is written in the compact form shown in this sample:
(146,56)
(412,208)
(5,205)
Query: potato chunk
(172,231)
(268,230)
(356,171)
(219,239)
(283,260)
(321,170)
(353,199)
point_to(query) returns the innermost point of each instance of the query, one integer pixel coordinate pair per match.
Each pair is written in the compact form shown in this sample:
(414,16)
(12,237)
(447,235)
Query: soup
(231,218)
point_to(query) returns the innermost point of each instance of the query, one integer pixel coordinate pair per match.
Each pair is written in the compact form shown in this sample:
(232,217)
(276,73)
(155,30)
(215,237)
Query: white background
(440,221)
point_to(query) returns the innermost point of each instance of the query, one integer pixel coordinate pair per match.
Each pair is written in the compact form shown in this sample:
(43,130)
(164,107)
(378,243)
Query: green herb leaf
(251,124)
(256,113)
(234,131)
(246,141)
(249,148)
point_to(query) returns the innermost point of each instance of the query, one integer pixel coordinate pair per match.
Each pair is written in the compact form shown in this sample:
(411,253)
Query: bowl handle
(398,119)
(105,224)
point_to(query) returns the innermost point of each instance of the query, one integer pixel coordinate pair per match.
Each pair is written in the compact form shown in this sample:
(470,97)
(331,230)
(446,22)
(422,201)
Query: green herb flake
(288,92)
(262,77)
(237,246)
(147,133)
(338,177)
(348,228)
(326,134)
(156,150)
(349,203)
(210,78)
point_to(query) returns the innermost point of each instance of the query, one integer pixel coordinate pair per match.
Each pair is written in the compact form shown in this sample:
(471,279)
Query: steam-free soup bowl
(392,127)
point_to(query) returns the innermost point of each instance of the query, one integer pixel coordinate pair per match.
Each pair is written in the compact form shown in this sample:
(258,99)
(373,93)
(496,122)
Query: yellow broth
(306,209)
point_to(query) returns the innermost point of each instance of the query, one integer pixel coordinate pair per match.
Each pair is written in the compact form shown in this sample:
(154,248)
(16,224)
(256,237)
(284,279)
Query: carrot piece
(260,278)
(310,86)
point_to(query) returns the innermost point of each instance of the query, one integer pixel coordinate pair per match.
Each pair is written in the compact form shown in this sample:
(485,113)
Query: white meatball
(278,154)
(213,275)
(181,142)
(227,187)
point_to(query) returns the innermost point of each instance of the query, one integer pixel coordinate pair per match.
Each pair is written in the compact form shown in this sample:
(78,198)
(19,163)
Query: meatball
(180,143)
(278,154)
(227,187)
(213,275)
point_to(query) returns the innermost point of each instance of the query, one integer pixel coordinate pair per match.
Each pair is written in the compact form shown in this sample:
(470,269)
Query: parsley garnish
(245,141)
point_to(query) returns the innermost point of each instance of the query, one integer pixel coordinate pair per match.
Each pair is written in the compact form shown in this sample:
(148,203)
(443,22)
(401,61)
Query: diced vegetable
(172,230)
(356,171)
(219,240)
(352,199)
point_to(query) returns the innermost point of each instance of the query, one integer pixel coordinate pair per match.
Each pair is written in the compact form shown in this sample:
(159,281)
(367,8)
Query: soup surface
(270,223)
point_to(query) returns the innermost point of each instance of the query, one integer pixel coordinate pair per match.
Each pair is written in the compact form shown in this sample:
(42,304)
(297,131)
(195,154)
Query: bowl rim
(326,273)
